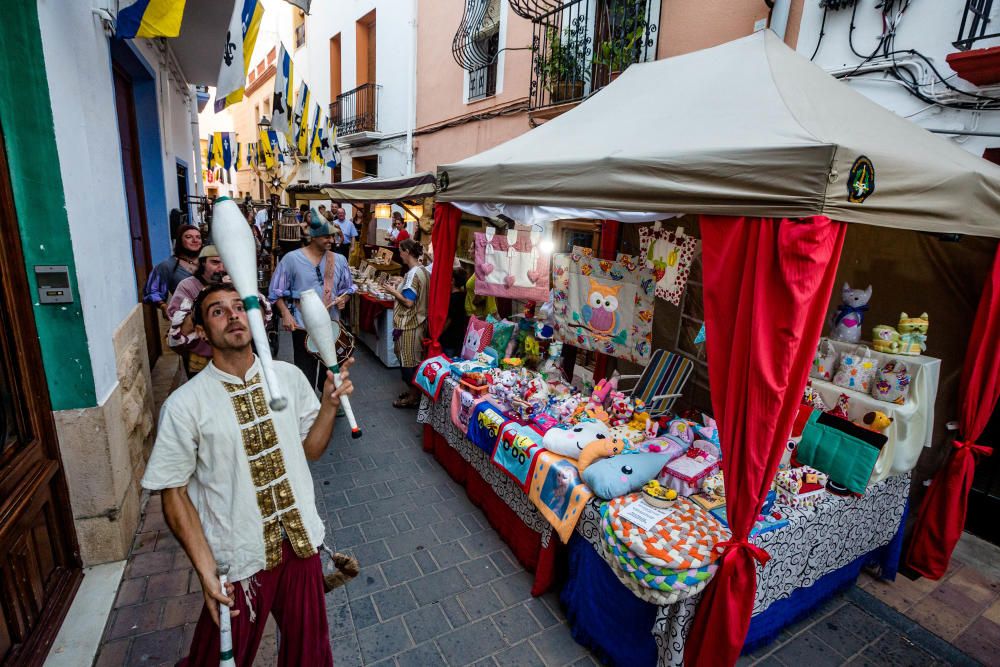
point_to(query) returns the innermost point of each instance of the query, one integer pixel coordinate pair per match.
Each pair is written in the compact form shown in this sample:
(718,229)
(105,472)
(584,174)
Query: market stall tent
(776,156)
(746,128)
(389,190)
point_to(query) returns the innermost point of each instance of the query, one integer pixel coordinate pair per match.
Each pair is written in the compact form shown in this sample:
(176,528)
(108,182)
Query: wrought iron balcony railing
(582,45)
(356,110)
(975,24)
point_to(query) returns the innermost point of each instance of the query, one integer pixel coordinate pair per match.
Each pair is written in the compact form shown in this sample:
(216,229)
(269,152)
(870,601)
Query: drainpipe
(779,16)
(196,141)
(411,121)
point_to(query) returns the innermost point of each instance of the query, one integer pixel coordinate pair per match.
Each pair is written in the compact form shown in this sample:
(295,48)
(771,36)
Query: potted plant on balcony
(565,67)
(624,44)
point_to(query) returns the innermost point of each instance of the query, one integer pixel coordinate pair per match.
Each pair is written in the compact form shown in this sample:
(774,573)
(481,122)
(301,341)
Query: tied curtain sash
(444,238)
(942,514)
(767,283)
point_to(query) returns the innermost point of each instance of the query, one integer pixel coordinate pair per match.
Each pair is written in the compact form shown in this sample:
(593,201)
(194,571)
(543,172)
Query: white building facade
(360,60)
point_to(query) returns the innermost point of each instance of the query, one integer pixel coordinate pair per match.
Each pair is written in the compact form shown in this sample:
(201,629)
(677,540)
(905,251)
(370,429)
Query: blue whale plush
(618,475)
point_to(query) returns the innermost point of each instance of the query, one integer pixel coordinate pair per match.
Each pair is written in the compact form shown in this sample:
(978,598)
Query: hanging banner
(237,51)
(281,104)
(314,142)
(266,149)
(328,145)
(300,120)
(149,18)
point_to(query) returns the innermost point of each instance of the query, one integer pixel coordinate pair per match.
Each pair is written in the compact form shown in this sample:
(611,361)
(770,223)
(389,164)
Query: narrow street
(437,585)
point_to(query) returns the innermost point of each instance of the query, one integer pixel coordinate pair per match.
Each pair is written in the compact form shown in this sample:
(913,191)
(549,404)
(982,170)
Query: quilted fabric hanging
(603,305)
(668,254)
(512,265)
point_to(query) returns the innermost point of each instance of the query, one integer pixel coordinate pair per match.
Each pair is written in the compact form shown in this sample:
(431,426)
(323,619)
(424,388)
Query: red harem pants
(293,592)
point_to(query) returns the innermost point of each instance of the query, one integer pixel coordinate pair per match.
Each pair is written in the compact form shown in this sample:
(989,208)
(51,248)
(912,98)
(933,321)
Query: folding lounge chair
(661,382)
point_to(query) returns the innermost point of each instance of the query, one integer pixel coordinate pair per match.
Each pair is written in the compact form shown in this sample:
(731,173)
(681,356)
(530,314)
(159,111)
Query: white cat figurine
(846,322)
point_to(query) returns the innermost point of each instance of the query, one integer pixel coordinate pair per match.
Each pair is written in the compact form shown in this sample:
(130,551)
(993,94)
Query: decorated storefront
(693,532)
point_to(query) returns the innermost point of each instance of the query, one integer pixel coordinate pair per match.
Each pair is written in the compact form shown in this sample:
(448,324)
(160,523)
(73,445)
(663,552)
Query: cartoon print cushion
(503,331)
(477,337)
(570,440)
(599,449)
(685,539)
(618,475)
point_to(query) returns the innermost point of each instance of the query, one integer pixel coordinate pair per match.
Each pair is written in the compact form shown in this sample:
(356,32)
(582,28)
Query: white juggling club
(226,656)
(235,243)
(317,320)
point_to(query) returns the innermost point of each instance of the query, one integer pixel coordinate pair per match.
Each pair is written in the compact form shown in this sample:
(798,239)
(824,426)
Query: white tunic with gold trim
(244,465)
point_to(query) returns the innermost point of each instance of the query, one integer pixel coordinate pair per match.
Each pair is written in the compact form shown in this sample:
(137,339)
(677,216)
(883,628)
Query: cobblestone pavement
(437,586)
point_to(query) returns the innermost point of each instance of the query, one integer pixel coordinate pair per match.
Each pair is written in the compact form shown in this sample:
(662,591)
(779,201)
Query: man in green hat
(311,267)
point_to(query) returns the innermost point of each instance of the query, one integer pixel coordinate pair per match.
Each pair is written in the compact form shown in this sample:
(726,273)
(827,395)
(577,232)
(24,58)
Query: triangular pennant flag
(150,18)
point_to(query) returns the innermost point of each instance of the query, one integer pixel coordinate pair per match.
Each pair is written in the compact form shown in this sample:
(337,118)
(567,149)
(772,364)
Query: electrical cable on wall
(892,15)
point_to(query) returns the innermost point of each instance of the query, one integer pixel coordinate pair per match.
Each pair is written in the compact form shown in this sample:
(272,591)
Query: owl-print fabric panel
(603,305)
(511,265)
(668,254)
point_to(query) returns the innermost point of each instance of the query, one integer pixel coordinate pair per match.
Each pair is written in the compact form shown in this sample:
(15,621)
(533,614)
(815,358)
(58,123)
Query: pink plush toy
(621,409)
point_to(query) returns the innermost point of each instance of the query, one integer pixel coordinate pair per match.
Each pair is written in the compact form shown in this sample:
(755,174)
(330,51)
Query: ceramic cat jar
(913,333)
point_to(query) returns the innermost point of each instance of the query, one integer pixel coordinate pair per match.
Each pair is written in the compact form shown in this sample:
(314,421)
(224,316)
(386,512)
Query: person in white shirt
(237,490)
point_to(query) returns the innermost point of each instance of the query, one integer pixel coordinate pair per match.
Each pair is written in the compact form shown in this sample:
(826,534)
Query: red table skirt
(369,308)
(522,540)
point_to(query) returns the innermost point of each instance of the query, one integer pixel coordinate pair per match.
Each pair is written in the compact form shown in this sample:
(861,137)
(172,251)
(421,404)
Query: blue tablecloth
(818,555)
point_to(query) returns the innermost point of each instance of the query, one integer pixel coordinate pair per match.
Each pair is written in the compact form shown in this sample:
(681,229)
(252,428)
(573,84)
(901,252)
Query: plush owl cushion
(570,440)
(618,475)
(477,336)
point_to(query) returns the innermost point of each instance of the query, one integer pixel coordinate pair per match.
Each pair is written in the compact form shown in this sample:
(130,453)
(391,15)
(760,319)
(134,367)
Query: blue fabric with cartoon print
(431,374)
(484,426)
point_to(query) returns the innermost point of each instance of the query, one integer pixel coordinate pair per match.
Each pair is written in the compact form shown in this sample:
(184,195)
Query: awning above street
(380,190)
(746,128)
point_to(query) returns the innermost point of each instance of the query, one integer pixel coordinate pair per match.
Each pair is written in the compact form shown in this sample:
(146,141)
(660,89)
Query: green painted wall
(26,118)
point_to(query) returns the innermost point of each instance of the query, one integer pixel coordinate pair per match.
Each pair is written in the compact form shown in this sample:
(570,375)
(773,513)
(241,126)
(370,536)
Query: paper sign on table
(644,515)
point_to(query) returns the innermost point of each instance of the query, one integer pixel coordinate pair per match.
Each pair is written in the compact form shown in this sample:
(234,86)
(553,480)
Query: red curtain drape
(444,237)
(942,515)
(767,283)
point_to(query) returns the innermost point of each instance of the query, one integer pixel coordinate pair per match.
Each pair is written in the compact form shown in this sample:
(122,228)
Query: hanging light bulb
(383,211)
(413,213)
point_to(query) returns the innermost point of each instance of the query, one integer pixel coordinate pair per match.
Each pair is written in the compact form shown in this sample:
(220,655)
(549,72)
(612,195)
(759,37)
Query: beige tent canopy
(745,128)
(362,190)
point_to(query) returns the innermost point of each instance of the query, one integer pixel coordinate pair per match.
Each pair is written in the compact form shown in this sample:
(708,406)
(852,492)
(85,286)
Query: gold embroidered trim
(259,402)
(272,544)
(283,495)
(265,469)
(265,502)
(243,407)
(297,535)
(268,468)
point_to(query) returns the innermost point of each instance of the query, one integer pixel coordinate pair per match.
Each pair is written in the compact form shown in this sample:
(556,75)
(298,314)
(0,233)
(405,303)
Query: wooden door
(39,558)
(134,194)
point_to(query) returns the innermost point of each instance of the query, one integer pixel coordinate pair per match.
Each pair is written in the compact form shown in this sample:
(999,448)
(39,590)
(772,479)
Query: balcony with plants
(583,45)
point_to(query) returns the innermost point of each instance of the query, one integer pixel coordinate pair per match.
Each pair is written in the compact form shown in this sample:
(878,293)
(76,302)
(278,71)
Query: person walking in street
(237,490)
(408,318)
(349,231)
(312,267)
(169,273)
(195,352)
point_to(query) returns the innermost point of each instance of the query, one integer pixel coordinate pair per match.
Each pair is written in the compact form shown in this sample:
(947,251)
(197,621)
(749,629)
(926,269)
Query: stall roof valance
(385,190)
(746,128)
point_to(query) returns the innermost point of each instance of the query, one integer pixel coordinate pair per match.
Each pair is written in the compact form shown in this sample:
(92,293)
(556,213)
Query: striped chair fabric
(662,381)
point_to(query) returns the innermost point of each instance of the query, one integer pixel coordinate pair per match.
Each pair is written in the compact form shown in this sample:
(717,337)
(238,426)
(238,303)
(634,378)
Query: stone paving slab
(439,587)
